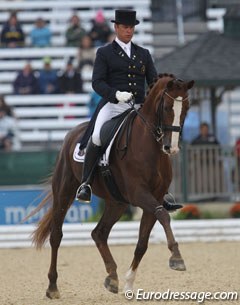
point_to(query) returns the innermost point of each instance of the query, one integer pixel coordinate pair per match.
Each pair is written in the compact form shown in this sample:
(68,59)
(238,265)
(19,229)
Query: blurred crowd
(49,80)
(13,36)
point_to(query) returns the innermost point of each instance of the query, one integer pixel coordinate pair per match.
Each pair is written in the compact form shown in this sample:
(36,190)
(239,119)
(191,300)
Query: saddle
(109,131)
(112,128)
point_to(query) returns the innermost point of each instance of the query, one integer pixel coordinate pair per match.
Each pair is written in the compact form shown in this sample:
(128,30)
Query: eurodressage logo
(199,296)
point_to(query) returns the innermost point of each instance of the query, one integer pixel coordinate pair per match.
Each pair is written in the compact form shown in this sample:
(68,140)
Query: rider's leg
(93,152)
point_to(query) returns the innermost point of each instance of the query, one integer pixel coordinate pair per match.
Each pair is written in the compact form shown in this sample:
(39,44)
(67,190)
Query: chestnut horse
(143,177)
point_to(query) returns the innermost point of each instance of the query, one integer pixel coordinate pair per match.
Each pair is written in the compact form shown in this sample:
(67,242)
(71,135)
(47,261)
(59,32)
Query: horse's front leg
(147,222)
(176,261)
(149,203)
(113,211)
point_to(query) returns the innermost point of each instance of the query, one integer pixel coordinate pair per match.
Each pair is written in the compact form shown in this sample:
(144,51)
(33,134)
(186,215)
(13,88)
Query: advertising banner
(16,204)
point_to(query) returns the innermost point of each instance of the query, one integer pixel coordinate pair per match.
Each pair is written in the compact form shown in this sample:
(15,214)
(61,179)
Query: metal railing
(206,172)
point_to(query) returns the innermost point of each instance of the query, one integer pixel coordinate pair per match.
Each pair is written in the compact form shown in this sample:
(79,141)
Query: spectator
(7,108)
(26,81)
(47,79)
(205,137)
(100,30)
(8,132)
(206,160)
(86,53)
(40,34)
(12,35)
(237,152)
(70,80)
(75,32)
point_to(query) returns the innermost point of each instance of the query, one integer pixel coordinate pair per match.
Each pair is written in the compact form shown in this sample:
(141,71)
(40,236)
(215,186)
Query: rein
(158,130)
(155,130)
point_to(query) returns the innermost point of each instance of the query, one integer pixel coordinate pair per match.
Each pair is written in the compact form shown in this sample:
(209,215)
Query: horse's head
(171,106)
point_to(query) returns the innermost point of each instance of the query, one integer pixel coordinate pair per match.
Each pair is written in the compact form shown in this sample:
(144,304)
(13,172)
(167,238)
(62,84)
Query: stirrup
(84,193)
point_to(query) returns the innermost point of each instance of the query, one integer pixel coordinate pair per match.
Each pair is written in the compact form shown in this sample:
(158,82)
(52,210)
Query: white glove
(124,96)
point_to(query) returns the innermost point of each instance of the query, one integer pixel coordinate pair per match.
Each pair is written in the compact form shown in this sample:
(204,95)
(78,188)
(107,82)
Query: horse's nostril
(166,147)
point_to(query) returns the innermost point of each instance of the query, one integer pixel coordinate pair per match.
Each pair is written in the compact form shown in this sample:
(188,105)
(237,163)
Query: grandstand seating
(47,118)
(58,13)
(51,123)
(9,65)
(44,119)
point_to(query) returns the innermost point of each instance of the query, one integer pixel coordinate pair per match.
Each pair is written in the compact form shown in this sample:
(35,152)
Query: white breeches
(108,111)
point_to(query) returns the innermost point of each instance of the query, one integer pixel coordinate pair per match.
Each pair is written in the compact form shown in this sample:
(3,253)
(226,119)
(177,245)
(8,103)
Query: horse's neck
(149,105)
(153,97)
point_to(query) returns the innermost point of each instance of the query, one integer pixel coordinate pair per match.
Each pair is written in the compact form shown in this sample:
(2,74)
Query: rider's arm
(151,72)
(99,77)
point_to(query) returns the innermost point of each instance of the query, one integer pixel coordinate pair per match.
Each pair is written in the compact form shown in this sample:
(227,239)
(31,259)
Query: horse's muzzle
(170,150)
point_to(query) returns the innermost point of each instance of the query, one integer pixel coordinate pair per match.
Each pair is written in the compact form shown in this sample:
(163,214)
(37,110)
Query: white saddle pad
(105,158)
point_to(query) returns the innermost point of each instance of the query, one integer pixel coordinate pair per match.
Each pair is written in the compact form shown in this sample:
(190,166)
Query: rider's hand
(123,96)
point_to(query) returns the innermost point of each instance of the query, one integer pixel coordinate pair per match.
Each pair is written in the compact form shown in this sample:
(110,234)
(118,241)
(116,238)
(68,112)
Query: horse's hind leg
(176,261)
(113,211)
(63,197)
(147,222)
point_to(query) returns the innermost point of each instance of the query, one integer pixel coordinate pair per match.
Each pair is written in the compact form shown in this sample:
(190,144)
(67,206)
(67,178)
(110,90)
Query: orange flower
(189,211)
(235,210)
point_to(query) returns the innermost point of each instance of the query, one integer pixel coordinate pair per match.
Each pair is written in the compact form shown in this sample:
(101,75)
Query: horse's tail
(41,233)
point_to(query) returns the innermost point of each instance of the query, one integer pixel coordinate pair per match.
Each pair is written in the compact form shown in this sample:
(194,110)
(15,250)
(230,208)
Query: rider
(120,71)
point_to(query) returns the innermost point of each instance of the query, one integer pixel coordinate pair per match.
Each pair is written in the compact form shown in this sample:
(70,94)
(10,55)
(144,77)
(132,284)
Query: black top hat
(126,17)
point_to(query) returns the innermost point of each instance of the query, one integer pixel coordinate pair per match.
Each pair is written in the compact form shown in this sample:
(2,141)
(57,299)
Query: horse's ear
(190,84)
(170,84)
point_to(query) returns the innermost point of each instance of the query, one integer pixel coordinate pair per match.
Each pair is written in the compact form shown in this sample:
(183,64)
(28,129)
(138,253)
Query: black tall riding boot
(93,153)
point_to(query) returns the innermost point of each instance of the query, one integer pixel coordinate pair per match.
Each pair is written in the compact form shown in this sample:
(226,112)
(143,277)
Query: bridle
(160,113)
(158,130)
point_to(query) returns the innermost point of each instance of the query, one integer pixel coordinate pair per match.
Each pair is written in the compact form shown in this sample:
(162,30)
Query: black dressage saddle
(109,128)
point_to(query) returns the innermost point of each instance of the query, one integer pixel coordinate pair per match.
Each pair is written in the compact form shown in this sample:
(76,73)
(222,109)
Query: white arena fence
(123,233)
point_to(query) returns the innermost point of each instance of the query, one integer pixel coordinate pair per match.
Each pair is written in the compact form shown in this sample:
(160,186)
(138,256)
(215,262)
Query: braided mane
(161,75)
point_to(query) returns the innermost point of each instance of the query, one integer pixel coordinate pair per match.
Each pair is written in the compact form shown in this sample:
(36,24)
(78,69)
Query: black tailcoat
(115,71)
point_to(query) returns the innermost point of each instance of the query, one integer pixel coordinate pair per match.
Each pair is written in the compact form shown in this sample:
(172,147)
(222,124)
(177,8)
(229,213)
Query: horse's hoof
(177,264)
(111,285)
(53,294)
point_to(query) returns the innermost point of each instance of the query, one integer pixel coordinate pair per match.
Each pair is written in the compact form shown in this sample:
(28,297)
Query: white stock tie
(127,51)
